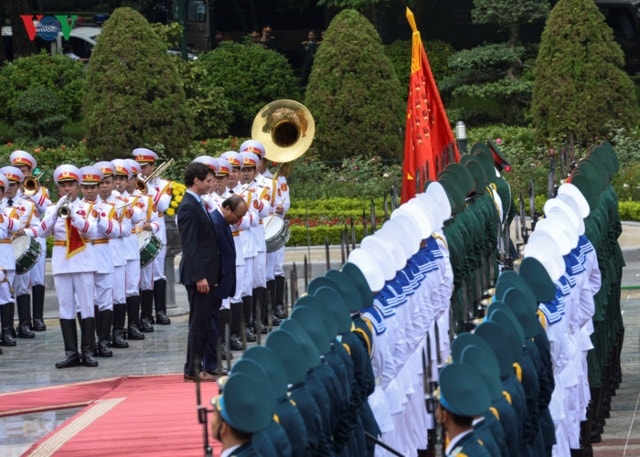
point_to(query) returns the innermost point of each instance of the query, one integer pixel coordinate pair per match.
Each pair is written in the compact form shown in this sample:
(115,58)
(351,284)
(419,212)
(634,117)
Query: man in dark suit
(230,212)
(200,266)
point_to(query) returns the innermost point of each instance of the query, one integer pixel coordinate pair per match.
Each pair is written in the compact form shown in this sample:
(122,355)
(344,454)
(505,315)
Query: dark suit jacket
(226,246)
(200,253)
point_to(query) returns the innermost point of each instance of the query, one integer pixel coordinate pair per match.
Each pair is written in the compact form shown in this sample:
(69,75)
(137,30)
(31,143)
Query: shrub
(135,95)
(210,108)
(581,90)
(359,176)
(354,93)
(249,76)
(39,93)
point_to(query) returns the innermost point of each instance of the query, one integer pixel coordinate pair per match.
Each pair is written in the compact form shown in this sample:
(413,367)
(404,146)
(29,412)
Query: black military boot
(37,297)
(89,342)
(133,312)
(70,339)
(146,314)
(266,318)
(160,299)
(224,329)
(235,342)
(247,304)
(103,328)
(279,309)
(6,316)
(119,313)
(24,316)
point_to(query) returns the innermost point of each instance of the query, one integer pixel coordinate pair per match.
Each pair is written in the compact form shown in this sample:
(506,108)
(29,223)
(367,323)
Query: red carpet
(132,415)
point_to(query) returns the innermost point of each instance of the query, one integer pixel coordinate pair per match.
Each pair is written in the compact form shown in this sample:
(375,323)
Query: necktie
(10,202)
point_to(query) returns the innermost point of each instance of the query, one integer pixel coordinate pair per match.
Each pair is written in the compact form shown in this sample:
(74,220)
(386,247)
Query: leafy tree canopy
(135,96)
(580,88)
(354,93)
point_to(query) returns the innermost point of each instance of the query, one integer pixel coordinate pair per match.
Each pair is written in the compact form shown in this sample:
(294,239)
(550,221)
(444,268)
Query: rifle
(434,447)
(523,222)
(532,205)
(370,437)
(203,416)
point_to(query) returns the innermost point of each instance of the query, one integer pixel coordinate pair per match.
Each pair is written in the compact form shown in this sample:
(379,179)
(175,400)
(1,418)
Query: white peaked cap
(541,249)
(369,268)
(573,191)
(383,253)
(437,191)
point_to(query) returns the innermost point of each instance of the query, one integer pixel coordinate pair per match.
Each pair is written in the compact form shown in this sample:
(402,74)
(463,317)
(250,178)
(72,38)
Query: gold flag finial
(412,20)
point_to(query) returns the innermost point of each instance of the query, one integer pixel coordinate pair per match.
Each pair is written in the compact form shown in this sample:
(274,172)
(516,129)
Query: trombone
(31,184)
(141,184)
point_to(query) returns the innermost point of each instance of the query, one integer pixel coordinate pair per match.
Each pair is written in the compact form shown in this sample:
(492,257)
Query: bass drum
(26,251)
(149,246)
(276,232)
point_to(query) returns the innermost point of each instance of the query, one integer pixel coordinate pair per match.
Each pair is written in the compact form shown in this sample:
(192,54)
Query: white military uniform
(41,200)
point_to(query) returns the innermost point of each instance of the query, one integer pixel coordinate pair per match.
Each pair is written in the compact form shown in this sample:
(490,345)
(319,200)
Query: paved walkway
(30,363)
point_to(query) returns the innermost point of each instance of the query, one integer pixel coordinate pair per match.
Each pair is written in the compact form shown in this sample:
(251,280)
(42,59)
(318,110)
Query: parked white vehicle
(81,41)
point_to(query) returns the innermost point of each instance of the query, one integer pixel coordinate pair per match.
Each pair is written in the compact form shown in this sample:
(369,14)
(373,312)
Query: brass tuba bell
(285,128)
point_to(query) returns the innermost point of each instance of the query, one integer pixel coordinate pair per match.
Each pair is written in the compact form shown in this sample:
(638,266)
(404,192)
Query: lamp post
(461,136)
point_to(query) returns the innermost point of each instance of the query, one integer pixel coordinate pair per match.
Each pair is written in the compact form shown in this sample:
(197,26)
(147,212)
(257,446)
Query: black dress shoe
(234,343)
(189,378)
(217,372)
(24,332)
(38,325)
(145,325)
(134,333)
(162,319)
(72,360)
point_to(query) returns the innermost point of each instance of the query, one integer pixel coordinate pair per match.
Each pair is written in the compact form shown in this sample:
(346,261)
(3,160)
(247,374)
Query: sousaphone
(285,128)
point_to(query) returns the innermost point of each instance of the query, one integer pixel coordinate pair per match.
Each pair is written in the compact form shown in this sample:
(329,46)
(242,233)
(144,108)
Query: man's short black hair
(232,202)
(196,170)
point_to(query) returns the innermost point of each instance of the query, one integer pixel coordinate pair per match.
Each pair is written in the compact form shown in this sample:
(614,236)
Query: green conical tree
(134,93)
(354,93)
(580,90)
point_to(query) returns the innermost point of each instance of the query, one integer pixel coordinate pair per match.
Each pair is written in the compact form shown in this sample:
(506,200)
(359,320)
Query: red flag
(429,144)
(74,242)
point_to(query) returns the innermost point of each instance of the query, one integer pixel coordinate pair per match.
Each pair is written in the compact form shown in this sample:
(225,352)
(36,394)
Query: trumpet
(64,209)
(141,184)
(31,185)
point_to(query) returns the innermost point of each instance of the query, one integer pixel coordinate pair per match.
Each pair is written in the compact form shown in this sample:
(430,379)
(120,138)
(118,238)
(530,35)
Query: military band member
(150,223)
(108,194)
(8,224)
(26,213)
(108,227)
(73,225)
(40,197)
(257,198)
(160,191)
(234,303)
(241,302)
(279,205)
(125,184)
